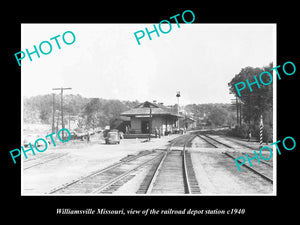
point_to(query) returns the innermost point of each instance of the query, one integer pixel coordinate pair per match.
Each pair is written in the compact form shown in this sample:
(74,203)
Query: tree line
(88,112)
(98,112)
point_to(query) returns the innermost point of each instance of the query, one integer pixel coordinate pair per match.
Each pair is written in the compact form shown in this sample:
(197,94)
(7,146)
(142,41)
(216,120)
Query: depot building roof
(144,109)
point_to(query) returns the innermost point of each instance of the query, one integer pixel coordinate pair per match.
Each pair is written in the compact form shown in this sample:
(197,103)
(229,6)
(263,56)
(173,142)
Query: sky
(105,61)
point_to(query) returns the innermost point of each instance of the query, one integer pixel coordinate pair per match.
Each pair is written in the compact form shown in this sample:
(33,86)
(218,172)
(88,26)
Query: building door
(145,127)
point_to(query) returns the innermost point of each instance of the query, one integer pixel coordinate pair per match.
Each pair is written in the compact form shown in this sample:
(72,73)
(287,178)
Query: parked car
(31,138)
(74,135)
(112,137)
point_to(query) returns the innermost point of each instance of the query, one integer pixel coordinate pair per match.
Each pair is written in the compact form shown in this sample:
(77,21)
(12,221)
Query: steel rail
(120,177)
(95,173)
(155,174)
(39,163)
(185,170)
(251,169)
(242,144)
(217,141)
(198,135)
(232,147)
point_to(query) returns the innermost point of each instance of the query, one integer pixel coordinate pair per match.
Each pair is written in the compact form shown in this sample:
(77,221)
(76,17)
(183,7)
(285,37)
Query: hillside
(84,112)
(97,112)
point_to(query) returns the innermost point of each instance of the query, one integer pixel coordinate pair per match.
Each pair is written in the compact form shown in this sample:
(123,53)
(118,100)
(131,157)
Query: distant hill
(38,109)
(98,112)
(87,112)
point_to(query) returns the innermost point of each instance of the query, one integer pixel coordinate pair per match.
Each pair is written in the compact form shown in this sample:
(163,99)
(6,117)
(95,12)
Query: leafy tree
(218,116)
(44,115)
(213,114)
(259,101)
(100,112)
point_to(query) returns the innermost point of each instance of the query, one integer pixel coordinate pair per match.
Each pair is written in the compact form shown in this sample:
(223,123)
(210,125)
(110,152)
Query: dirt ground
(57,166)
(74,159)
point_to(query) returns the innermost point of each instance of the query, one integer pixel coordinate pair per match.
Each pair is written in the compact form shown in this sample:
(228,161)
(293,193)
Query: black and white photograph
(138,109)
(163,112)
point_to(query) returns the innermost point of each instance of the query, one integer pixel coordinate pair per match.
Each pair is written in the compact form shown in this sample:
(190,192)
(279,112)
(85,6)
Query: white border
(274,110)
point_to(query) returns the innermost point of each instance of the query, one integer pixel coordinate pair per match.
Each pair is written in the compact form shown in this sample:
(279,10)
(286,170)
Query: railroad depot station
(155,119)
(192,163)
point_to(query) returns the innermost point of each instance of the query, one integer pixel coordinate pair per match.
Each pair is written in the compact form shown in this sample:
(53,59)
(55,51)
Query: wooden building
(151,116)
(188,123)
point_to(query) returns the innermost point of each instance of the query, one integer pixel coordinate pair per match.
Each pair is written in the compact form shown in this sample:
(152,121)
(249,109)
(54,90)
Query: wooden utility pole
(53,126)
(150,122)
(57,123)
(61,106)
(240,112)
(237,110)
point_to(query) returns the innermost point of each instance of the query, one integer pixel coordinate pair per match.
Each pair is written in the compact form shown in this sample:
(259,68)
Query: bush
(242,132)
(239,131)
(268,134)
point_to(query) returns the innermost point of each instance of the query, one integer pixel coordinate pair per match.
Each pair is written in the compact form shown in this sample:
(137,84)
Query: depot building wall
(159,122)
(136,125)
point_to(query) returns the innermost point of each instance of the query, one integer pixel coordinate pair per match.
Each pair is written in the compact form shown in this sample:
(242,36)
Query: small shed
(188,123)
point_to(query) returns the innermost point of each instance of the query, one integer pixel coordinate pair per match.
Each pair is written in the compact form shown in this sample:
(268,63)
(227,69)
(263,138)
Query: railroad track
(241,144)
(33,163)
(251,169)
(251,148)
(213,142)
(108,179)
(244,145)
(174,173)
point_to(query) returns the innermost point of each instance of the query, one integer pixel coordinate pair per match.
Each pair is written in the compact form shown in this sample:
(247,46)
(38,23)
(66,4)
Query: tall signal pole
(240,112)
(237,111)
(61,105)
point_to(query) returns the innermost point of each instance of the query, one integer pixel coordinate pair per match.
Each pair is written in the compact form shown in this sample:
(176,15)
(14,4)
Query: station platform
(134,136)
